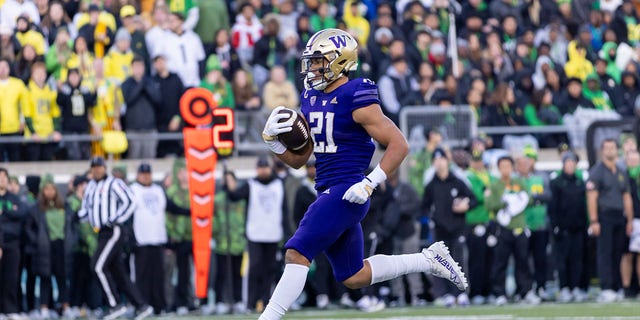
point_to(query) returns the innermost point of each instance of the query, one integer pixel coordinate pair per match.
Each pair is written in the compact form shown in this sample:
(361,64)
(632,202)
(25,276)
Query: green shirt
(55,222)
(222,93)
(480,181)
(419,163)
(493,201)
(535,214)
(236,227)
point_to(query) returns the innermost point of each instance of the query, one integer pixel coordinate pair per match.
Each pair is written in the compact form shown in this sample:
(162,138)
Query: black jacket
(12,218)
(401,211)
(437,201)
(171,89)
(38,245)
(567,209)
(75,119)
(143,100)
(305,196)
(568,104)
(88,32)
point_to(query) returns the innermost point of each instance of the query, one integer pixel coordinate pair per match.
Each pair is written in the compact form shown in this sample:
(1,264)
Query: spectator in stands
(229,59)
(322,19)
(84,287)
(155,36)
(14,95)
(12,223)
(571,98)
(266,207)
(142,96)
(168,115)
(287,17)
(214,16)
(607,83)
(268,51)
(478,224)
(25,60)
(279,91)
(26,35)
(184,51)
(137,43)
(215,82)
(109,100)
(12,9)
(592,91)
(229,234)
(610,209)
(82,59)
(75,101)
(569,224)
(246,32)
(398,88)
(117,62)
(59,53)
(577,66)
(511,236)
(54,20)
(608,53)
(449,93)
(625,95)
(179,231)
(42,117)
(9,45)
(187,9)
(98,35)
(151,237)
(245,92)
(501,110)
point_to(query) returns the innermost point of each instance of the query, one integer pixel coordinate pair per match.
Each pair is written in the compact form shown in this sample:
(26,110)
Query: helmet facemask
(325,77)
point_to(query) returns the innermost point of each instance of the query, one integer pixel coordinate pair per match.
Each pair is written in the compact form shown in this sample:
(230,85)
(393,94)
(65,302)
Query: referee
(108,203)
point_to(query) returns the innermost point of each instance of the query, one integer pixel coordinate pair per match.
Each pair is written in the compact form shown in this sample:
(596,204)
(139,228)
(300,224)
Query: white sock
(287,291)
(385,267)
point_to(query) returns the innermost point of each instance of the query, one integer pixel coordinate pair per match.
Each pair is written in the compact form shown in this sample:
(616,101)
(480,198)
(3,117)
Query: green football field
(624,310)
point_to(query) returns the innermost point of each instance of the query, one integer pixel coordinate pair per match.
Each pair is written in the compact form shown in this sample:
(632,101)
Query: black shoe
(143,312)
(115,313)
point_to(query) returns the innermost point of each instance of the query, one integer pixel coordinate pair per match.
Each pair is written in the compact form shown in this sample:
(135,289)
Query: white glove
(273,128)
(360,192)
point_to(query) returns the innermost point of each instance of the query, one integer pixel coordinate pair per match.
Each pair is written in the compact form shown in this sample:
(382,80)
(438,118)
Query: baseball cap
(530,152)
(144,168)
(94,7)
(127,11)
(98,162)
(438,153)
(569,156)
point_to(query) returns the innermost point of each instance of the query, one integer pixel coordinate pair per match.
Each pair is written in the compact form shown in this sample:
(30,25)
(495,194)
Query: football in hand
(296,139)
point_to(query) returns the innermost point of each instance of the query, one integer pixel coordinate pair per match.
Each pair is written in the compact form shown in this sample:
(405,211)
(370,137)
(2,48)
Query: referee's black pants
(10,278)
(149,272)
(109,267)
(609,253)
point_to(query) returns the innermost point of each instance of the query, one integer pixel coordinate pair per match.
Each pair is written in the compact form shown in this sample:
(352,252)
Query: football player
(343,115)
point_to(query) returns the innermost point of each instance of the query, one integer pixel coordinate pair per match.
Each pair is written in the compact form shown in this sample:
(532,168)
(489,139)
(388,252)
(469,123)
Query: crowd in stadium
(88,67)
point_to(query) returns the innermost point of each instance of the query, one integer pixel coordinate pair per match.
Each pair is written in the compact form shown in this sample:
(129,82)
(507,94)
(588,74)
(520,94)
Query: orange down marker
(197,108)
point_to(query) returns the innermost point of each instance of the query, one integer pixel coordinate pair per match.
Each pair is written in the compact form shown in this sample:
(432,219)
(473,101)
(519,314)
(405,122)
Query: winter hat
(123,34)
(45,180)
(213,63)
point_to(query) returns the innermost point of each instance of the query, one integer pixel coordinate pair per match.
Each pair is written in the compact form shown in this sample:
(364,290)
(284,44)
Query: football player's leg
(321,226)
(435,260)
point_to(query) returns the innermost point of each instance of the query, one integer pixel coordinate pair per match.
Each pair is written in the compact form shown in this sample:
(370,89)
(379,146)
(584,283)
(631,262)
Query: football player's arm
(297,160)
(385,132)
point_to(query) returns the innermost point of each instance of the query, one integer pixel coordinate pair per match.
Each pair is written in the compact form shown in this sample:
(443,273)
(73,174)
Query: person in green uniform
(537,184)
(512,235)
(178,222)
(420,161)
(478,219)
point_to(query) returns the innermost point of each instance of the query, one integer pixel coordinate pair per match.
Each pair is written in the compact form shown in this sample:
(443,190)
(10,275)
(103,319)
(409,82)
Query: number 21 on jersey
(319,121)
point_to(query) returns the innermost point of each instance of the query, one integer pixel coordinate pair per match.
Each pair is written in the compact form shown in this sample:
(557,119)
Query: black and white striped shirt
(107,202)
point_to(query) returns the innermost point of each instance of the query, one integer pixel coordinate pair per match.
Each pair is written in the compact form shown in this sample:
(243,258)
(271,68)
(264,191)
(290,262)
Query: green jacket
(494,201)
(236,225)
(479,183)
(536,213)
(599,98)
(420,162)
(612,68)
(178,223)
(87,237)
(222,94)
(535,118)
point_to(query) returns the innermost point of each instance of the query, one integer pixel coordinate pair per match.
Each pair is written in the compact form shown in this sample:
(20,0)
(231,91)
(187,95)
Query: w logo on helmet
(339,41)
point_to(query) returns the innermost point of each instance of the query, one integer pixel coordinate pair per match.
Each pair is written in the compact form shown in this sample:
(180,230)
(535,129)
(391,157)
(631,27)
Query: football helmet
(339,53)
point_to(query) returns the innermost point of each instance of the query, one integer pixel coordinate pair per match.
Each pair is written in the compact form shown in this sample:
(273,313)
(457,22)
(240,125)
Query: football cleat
(443,265)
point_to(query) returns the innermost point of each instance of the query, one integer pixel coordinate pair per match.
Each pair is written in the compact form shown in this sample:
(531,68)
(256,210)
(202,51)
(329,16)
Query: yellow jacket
(84,63)
(34,39)
(577,66)
(357,24)
(104,17)
(117,65)
(109,97)
(13,100)
(42,110)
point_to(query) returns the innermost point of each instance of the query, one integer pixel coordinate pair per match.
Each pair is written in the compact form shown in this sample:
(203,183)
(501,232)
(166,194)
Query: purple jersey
(342,147)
